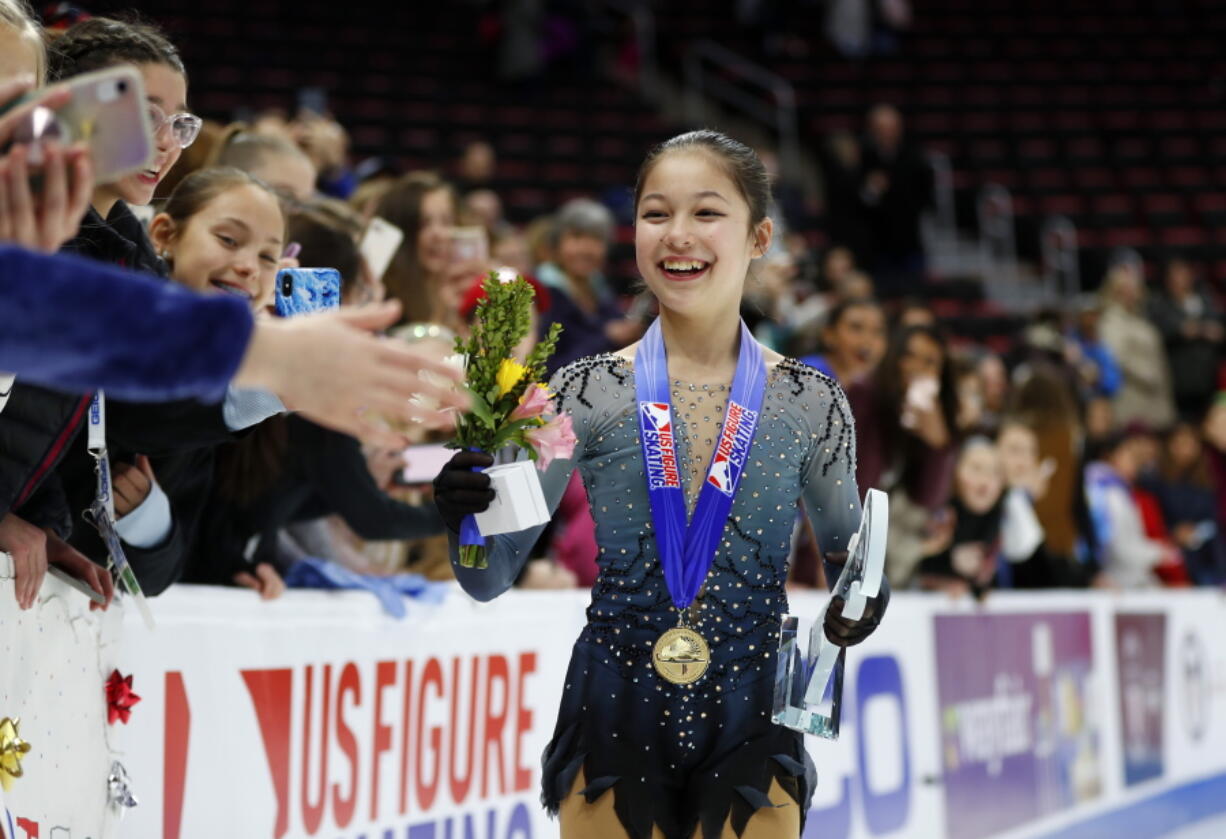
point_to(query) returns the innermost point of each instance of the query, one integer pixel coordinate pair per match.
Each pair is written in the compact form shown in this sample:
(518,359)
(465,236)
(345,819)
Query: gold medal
(681,655)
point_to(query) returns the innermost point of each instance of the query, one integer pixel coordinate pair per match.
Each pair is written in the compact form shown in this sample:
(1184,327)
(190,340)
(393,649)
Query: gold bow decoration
(12,747)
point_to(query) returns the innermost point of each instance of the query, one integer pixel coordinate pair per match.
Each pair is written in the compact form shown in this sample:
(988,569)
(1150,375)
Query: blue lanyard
(686,553)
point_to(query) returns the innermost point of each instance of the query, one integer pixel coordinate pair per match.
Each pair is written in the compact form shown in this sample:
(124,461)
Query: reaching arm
(76,324)
(508,552)
(338,472)
(458,491)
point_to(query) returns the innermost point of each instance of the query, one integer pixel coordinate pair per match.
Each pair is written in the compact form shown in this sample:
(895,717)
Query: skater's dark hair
(739,162)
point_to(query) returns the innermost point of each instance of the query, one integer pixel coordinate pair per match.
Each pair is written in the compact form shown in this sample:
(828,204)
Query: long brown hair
(406,278)
(892,391)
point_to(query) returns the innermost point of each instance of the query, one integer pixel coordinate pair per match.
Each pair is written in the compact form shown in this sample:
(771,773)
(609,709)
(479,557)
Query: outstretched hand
(330,367)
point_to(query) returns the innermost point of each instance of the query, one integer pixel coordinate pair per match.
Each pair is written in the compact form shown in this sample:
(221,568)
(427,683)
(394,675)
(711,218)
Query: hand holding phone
(41,204)
(469,244)
(379,244)
(105,110)
(300,291)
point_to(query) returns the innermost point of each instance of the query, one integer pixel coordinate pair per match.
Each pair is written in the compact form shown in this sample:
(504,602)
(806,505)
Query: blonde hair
(19,16)
(1119,276)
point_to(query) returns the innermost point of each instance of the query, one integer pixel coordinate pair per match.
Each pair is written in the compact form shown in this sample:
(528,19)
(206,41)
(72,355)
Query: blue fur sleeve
(75,324)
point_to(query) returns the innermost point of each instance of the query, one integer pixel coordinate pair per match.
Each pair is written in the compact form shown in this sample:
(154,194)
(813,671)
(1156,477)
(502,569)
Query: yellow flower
(509,374)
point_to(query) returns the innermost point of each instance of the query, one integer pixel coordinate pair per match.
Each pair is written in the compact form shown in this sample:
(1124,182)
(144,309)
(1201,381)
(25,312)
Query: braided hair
(104,42)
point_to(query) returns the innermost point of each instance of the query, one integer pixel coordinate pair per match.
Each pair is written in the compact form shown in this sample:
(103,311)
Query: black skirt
(673,763)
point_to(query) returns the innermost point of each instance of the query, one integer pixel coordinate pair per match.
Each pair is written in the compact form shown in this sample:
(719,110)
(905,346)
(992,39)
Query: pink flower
(532,404)
(554,439)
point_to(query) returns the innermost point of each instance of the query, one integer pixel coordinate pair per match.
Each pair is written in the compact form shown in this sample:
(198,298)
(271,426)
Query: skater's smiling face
(695,232)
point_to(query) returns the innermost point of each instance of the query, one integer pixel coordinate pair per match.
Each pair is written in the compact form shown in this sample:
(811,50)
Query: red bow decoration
(119,698)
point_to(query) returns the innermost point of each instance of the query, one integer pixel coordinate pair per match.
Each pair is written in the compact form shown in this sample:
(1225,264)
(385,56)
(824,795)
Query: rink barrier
(1059,715)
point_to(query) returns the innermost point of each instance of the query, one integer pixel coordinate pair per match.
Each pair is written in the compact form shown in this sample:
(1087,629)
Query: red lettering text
(426,791)
(494,722)
(523,721)
(460,784)
(381,740)
(312,814)
(405,741)
(349,684)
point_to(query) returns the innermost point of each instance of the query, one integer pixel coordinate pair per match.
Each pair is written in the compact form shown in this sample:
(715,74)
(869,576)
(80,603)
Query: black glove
(848,633)
(459,491)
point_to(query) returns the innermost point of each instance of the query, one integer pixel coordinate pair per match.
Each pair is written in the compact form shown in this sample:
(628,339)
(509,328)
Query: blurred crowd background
(1001,227)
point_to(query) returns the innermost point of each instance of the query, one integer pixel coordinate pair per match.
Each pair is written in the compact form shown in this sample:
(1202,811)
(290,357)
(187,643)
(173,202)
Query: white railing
(770,99)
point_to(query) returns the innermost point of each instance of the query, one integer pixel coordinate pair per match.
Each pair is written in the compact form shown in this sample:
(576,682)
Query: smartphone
(422,464)
(469,244)
(379,244)
(107,110)
(300,291)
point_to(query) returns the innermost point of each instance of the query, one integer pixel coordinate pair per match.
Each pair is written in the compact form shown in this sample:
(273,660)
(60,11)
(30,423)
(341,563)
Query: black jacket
(179,439)
(39,426)
(176,436)
(322,473)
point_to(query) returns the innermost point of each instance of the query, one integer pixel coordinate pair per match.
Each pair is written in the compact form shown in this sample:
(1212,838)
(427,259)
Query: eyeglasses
(183,127)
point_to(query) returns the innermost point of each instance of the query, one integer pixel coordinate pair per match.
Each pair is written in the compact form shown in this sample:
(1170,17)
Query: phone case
(300,291)
(379,245)
(108,110)
(469,244)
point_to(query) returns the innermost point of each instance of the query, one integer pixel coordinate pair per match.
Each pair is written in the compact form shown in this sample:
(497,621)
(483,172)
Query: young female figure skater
(664,728)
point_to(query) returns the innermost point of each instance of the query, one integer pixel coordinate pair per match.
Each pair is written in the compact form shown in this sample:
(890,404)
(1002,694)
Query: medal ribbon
(686,553)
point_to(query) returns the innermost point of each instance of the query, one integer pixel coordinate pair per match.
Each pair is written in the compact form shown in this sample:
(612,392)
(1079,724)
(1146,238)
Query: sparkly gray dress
(684,756)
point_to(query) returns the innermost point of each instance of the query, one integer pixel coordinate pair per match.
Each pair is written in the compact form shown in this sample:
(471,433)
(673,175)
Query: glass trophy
(809,678)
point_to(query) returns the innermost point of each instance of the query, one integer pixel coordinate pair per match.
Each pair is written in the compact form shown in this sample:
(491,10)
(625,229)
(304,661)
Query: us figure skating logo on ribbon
(659,446)
(733,448)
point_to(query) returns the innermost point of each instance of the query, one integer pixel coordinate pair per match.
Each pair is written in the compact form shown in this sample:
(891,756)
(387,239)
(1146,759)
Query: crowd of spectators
(1090,453)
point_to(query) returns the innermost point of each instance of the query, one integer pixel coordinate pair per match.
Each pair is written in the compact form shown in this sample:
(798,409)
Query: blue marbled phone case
(300,291)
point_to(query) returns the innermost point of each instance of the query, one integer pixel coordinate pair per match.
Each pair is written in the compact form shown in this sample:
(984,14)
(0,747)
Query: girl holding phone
(291,470)
(423,206)
(221,232)
(664,727)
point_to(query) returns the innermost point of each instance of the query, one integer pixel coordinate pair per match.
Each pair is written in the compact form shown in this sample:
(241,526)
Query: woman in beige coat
(1145,395)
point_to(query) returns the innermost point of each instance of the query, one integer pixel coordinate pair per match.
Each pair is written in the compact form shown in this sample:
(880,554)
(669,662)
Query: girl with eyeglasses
(154,448)
(98,43)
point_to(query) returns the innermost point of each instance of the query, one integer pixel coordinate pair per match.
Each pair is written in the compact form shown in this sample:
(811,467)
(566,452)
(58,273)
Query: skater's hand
(848,633)
(459,491)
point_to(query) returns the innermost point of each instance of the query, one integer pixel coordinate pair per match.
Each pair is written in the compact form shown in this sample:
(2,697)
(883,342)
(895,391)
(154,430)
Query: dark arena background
(999,226)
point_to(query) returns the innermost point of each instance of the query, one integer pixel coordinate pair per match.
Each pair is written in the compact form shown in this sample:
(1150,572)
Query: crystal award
(809,678)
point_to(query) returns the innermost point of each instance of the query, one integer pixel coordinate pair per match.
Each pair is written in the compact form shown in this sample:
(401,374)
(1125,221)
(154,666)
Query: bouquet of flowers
(510,404)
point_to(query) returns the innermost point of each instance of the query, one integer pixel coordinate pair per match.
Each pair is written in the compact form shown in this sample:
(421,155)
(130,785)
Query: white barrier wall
(1045,715)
